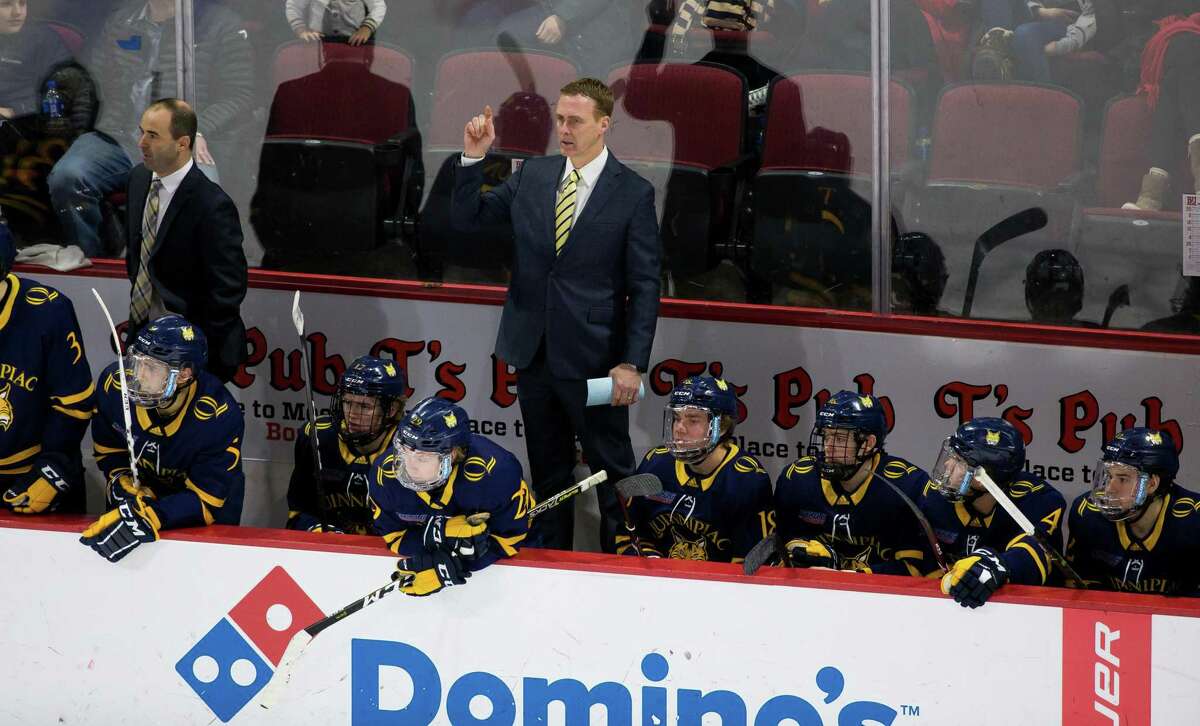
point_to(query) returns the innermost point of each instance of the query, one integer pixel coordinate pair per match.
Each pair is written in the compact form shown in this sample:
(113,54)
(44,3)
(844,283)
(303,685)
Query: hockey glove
(326,529)
(811,553)
(39,492)
(428,572)
(115,534)
(121,488)
(456,535)
(973,579)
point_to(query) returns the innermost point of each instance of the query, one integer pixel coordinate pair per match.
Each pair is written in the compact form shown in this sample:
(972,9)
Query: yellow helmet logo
(992,437)
(415,420)
(866,401)
(722,384)
(1154,438)
(451,420)
(391,369)
(187,333)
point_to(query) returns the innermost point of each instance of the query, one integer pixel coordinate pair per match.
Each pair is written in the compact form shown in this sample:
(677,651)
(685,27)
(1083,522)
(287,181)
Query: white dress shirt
(170,184)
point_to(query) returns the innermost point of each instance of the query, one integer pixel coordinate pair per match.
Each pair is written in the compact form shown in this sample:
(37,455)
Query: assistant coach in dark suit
(184,240)
(583,300)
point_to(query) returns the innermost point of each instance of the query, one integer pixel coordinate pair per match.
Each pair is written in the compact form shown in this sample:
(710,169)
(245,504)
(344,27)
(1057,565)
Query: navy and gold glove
(456,535)
(428,572)
(39,492)
(122,488)
(973,579)
(120,530)
(326,528)
(811,553)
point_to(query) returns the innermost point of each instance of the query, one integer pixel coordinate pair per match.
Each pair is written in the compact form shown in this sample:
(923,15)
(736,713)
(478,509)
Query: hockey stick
(300,641)
(1028,220)
(638,485)
(310,411)
(1118,298)
(761,553)
(133,459)
(1027,527)
(582,486)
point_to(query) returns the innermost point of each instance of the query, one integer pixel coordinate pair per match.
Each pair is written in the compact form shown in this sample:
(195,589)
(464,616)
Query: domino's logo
(235,660)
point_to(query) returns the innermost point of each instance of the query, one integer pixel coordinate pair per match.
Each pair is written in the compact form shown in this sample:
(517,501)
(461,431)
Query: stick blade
(760,554)
(297,314)
(639,485)
(283,674)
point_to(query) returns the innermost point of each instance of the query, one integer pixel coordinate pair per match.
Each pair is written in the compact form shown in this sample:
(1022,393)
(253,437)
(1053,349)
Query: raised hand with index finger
(479,134)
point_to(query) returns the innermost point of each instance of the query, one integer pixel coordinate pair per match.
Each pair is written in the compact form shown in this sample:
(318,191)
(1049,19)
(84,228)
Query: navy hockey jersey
(489,480)
(718,517)
(46,389)
(192,462)
(1108,555)
(871,529)
(341,499)
(960,530)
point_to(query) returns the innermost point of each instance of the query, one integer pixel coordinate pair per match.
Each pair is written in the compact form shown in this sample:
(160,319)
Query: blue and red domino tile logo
(236,659)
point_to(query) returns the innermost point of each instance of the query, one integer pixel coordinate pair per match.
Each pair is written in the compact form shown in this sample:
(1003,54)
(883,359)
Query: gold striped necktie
(139,301)
(564,212)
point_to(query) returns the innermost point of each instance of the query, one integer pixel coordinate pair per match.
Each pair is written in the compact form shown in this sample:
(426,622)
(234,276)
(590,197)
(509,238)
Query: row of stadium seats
(342,160)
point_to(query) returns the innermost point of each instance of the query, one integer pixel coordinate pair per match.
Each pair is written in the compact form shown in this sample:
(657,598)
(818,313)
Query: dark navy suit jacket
(596,304)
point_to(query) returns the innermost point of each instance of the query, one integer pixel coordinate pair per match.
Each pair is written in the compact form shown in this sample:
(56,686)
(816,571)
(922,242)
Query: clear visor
(1118,490)
(421,471)
(151,381)
(951,475)
(690,432)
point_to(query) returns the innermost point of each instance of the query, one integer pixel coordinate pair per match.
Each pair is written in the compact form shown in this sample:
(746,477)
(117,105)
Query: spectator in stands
(950,23)
(354,21)
(29,52)
(1023,36)
(1168,81)
(594,33)
(133,61)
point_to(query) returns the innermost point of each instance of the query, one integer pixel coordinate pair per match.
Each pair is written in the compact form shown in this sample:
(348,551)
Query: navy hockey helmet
(365,404)
(992,444)
(840,433)
(712,399)
(162,350)
(1121,486)
(425,442)
(1053,286)
(919,274)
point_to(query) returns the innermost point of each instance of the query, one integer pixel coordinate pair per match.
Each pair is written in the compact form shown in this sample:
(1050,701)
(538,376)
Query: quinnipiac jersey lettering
(343,490)
(961,530)
(871,529)
(717,518)
(46,389)
(489,480)
(1107,554)
(192,462)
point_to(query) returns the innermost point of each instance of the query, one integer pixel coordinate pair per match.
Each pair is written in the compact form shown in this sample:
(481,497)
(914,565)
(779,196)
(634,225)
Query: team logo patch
(188,333)
(1154,438)
(992,437)
(6,408)
(39,295)
(391,369)
(722,384)
(866,401)
(451,420)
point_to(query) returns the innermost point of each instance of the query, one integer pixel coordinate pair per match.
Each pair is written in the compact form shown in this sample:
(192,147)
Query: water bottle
(54,110)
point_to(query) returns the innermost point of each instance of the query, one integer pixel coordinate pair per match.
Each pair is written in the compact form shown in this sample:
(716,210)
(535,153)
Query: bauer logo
(431,699)
(235,660)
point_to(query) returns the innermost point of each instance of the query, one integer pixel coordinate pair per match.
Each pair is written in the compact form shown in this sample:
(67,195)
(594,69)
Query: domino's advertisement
(1065,401)
(190,632)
